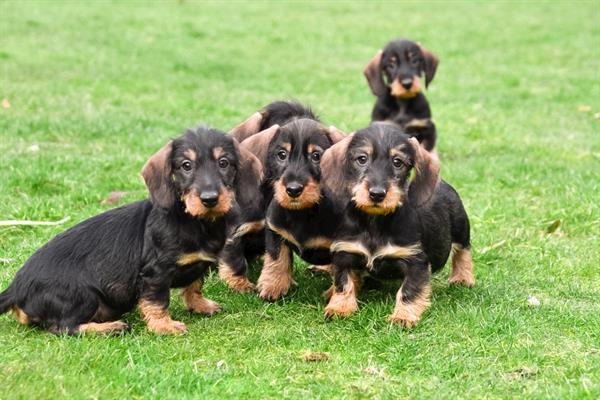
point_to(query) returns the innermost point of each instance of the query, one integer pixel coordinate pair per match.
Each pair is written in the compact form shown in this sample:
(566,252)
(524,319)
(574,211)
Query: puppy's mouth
(405,90)
(364,202)
(197,209)
(309,196)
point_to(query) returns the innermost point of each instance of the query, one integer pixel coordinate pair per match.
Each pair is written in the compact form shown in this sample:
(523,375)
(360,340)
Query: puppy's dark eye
(361,160)
(282,155)
(223,163)
(186,165)
(315,156)
(397,162)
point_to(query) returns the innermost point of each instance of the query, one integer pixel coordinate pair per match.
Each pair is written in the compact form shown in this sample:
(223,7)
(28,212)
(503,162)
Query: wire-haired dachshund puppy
(248,241)
(84,279)
(393,227)
(394,75)
(299,218)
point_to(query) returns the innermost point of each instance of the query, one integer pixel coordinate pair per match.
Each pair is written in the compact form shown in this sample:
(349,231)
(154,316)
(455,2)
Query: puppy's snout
(209,198)
(377,194)
(407,83)
(294,189)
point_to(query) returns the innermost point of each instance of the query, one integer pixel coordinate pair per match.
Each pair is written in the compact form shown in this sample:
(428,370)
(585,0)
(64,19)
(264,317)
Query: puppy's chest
(194,246)
(383,250)
(309,234)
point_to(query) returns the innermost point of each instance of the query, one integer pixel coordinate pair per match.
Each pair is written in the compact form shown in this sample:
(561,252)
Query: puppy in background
(394,76)
(393,227)
(86,278)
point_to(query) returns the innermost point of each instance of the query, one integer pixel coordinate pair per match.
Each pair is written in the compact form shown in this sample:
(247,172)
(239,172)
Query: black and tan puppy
(300,217)
(248,241)
(85,278)
(393,227)
(394,75)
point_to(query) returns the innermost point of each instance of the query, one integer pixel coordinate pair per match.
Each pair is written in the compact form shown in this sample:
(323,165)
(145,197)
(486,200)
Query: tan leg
(21,316)
(238,283)
(196,302)
(276,276)
(321,269)
(462,267)
(103,327)
(408,313)
(158,319)
(344,303)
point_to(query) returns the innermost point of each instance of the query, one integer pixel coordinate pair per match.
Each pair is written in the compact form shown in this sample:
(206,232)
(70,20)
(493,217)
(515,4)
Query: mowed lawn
(90,90)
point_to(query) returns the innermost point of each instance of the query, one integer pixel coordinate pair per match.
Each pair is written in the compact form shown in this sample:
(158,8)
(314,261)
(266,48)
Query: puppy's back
(113,240)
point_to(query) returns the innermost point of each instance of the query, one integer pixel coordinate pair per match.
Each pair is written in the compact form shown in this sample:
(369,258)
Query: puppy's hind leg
(462,266)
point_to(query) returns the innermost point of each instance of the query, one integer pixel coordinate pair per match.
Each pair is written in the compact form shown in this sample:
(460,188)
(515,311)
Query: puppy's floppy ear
(333,166)
(247,128)
(431,63)
(157,175)
(258,144)
(427,174)
(373,74)
(249,177)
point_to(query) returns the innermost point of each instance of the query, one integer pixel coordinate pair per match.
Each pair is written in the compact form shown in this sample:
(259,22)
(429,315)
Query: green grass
(100,86)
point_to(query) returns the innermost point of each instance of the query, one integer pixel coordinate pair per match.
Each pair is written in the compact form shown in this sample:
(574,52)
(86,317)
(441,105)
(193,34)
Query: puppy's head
(374,167)
(275,113)
(399,67)
(291,155)
(199,171)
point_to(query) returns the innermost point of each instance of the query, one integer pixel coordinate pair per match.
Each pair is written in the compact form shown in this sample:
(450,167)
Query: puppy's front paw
(464,279)
(273,289)
(403,320)
(240,285)
(272,292)
(167,327)
(341,305)
(204,306)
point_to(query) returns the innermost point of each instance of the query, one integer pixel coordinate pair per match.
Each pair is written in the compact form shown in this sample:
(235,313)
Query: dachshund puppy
(394,75)
(393,227)
(84,279)
(299,218)
(248,241)
(276,113)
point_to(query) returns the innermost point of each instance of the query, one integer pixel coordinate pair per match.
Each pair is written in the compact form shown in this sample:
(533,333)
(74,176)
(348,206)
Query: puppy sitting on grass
(299,218)
(247,242)
(84,279)
(392,227)
(394,76)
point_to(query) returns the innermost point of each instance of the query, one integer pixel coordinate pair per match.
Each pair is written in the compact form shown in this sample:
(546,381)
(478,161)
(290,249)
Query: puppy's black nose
(294,189)
(210,198)
(377,194)
(406,83)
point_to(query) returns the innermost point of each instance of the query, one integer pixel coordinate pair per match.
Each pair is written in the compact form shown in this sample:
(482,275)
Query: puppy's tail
(6,300)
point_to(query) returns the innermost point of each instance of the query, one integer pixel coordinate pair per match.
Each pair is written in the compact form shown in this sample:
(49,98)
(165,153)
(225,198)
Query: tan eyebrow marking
(365,149)
(190,154)
(218,152)
(287,146)
(313,147)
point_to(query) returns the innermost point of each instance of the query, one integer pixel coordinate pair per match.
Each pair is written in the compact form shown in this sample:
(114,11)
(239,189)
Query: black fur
(297,207)
(404,60)
(104,266)
(428,218)
(240,250)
